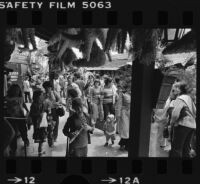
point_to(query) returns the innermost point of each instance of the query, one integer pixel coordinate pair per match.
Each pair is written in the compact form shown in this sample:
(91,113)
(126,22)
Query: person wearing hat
(77,128)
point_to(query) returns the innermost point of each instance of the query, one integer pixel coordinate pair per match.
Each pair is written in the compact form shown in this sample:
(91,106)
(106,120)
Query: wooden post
(51,75)
(141,109)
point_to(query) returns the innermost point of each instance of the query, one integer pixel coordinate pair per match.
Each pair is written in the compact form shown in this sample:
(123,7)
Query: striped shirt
(107,95)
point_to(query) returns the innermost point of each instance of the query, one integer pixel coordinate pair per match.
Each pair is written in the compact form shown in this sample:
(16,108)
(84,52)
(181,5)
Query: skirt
(40,135)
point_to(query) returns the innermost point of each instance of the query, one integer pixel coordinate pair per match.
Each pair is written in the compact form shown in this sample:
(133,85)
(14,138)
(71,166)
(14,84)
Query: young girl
(37,113)
(109,129)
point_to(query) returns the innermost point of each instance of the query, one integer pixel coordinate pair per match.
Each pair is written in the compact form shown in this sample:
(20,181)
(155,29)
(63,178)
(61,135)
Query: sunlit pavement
(156,140)
(95,149)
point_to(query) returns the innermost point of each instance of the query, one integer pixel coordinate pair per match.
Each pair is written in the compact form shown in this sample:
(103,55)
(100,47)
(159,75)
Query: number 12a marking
(29,180)
(125,180)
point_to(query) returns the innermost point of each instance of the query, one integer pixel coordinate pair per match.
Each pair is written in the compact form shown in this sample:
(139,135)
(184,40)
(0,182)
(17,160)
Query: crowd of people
(92,100)
(179,119)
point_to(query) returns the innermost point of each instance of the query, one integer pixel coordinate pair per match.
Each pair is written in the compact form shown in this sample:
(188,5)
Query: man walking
(27,89)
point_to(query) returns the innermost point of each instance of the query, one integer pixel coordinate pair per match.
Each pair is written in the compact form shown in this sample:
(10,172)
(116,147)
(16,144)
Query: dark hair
(107,81)
(125,87)
(97,76)
(14,91)
(47,84)
(56,75)
(69,76)
(36,95)
(117,80)
(97,81)
(77,75)
(72,93)
(183,88)
(76,102)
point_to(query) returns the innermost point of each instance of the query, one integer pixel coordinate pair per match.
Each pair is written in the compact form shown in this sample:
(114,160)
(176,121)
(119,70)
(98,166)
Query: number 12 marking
(29,180)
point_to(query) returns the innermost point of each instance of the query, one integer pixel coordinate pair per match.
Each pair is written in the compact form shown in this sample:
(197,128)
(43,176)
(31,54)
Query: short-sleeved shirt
(107,95)
(26,86)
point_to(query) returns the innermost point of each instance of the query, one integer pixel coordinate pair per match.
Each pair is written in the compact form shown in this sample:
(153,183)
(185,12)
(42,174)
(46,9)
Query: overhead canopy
(119,60)
(180,58)
(186,44)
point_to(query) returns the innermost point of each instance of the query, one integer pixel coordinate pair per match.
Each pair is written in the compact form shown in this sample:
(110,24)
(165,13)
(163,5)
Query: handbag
(44,122)
(166,132)
(60,111)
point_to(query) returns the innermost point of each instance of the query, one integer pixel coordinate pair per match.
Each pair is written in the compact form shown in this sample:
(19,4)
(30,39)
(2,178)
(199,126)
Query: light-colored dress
(124,121)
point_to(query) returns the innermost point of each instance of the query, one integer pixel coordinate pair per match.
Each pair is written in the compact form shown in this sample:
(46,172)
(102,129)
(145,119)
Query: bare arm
(25,107)
(178,105)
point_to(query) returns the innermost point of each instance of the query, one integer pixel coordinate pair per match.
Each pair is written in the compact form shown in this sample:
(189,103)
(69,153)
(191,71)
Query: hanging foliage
(121,40)
(89,37)
(111,38)
(82,39)
(97,58)
(68,57)
(11,36)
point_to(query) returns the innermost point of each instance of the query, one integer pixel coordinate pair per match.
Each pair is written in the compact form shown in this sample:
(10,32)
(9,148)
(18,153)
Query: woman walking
(15,115)
(54,102)
(37,113)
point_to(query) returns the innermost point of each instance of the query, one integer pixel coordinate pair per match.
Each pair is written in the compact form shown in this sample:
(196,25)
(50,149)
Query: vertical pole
(141,109)
(51,76)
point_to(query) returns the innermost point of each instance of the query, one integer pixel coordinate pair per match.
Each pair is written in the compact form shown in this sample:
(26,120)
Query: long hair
(47,84)
(72,93)
(183,88)
(107,81)
(36,95)
(14,91)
